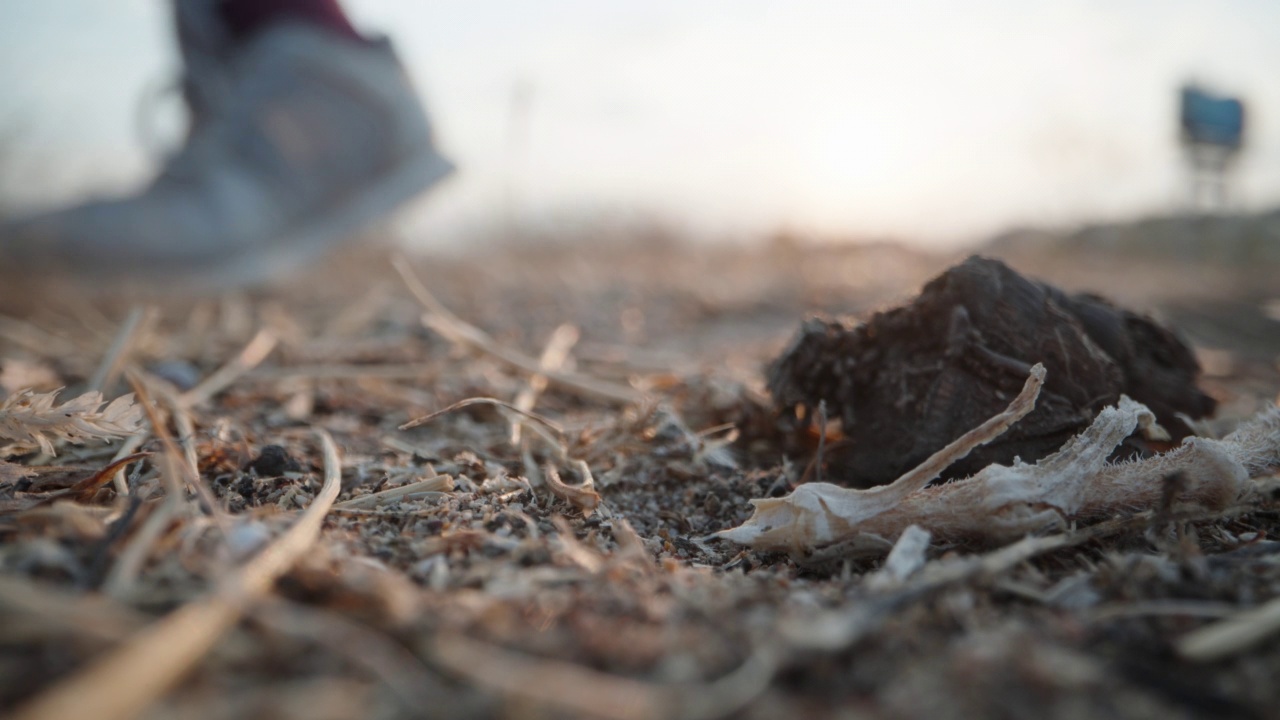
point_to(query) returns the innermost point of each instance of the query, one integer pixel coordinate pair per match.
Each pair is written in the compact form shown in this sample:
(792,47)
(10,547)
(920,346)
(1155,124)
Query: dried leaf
(84,490)
(28,416)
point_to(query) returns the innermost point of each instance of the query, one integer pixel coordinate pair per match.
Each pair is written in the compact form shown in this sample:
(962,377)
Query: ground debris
(449,578)
(1077,484)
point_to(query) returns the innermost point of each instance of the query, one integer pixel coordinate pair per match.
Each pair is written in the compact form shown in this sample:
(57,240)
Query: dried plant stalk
(1231,635)
(584,691)
(28,416)
(1001,503)
(554,356)
(583,496)
(12,472)
(249,358)
(435,483)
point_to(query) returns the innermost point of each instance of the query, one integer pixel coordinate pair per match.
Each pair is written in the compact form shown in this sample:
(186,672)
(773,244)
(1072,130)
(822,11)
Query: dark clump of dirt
(273,461)
(914,378)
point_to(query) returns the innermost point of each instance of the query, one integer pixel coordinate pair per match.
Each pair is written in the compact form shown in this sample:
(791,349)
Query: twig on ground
(1231,635)
(545,428)
(550,424)
(582,496)
(253,353)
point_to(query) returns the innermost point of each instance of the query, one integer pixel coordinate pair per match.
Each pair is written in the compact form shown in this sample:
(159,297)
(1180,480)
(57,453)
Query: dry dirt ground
(488,563)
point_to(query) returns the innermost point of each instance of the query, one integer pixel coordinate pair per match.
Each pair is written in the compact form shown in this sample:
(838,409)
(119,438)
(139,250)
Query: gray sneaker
(206,48)
(314,138)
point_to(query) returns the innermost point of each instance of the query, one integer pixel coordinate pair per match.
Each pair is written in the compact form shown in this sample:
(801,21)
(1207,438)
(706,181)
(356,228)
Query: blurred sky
(930,120)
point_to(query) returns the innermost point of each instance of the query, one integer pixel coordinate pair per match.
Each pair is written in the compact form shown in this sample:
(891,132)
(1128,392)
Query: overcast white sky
(926,119)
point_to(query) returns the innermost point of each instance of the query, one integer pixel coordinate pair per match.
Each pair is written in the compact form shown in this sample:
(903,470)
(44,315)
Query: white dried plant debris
(908,555)
(820,521)
(31,417)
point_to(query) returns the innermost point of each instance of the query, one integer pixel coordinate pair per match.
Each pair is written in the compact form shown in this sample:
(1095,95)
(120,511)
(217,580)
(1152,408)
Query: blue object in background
(1211,119)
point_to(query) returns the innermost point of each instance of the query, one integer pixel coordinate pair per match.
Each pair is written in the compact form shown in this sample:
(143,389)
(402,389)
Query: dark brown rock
(912,379)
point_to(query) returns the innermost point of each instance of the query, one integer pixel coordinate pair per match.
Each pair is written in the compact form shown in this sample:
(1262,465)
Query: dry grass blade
(28,416)
(38,610)
(582,496)
(579,554)
(1231,635)
(549,424)
(554,356)
(545,428)
(118,353)
(582,690)
(575,688)
(84,490)
(119,581)
(931,468)
(339,372)
(838,630)
(1162,608)
(186,441)
(254,353)
(400,670)
(443,321)
(436,484)
(12,472)
(126,681)
(360,313)
(39,341)
(128,447)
